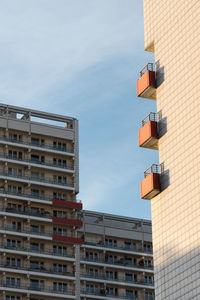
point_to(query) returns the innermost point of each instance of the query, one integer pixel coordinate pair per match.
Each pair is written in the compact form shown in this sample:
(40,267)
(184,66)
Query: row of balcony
(37,180)
(40,146)
(37,163)
(73,221)
(63,292)
(49,235)
(50,201)
(148,134)
(51,272)
(127,249)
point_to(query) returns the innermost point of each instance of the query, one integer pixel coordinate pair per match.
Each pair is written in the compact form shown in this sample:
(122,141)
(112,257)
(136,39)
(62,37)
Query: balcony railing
(131,249)
(148,67)
(36,179)
(37,251)
(34,196)
(38,163)
(153,169)
(152,116)
(42,289)
(39,145)
(39,269)
(119,279)
(28,212)
(118,263)
(106,294)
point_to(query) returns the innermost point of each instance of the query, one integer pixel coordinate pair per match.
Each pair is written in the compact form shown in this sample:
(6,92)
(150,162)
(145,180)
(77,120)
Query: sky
(82,59)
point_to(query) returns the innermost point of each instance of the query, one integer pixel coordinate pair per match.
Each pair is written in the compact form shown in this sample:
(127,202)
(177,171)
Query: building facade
(49,247)
(116,258)
(172,32)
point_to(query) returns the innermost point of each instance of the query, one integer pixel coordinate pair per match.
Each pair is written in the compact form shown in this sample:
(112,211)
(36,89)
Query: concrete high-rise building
(45,250)
(116,258)
(172,32)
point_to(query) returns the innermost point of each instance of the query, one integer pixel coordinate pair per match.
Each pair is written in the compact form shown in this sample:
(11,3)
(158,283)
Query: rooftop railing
(148,67)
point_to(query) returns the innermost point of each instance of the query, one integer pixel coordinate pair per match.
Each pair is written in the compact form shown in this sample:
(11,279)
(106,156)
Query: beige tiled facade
(172,32)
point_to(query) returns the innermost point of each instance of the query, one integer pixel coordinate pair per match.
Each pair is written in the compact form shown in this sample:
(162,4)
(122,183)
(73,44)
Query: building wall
(172,32)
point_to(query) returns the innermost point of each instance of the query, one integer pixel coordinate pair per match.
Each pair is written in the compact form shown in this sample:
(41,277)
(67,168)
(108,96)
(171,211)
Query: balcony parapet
(47,147)
(146,85)
(48,200)
(150,185)
(117,263)
(37,290)
(30,252)
(148,134)
(141,251)
(36,180)
(105,295)
(37,163)
(118,280)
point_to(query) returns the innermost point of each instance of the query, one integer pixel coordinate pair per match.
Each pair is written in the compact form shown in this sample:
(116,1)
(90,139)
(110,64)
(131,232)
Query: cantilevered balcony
(146,84)
(103,294)
(68,221)
(67,239)
(148,134)
(150,185)
(36,146)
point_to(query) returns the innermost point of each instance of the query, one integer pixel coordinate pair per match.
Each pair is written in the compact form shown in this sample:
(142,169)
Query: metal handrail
(38,289)
(42,270)
(39,145)
(34,196)
(106,294)
(33,178)
(153,169)
(148,67)
(119,279)
(131,249)
(152,116)
(117,263)
(62,166)
(29,250)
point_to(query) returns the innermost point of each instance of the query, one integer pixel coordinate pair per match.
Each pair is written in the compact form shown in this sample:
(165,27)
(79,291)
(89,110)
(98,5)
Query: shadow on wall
(164,180)
(178,277)
(160,74)
(162,125)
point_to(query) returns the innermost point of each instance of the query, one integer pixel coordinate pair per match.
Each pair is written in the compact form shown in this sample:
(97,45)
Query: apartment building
(172,33)
(49,247)
(39,213)
(116,259)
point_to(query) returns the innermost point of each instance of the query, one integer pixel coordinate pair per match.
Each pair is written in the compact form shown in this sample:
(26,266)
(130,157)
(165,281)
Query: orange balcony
(146,85)
(150,185)
(148,134)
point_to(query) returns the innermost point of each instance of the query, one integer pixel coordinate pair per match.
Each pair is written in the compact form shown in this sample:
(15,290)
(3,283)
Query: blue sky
(81,58)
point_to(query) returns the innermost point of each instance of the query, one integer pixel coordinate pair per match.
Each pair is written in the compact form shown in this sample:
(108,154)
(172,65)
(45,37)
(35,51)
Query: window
(128,277)
(149,296)
(34,246)
(34,228)
(127,245)
(129,293)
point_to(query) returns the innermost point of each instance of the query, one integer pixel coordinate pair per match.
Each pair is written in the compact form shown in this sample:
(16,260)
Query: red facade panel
(69,204)
(67,239)
(148,135)
(72,222)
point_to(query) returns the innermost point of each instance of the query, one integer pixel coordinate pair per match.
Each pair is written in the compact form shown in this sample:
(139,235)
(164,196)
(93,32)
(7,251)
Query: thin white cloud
(45,42)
